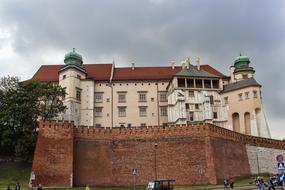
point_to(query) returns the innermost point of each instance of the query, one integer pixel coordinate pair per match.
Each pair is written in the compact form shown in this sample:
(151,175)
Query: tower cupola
(242,64)
(73,58)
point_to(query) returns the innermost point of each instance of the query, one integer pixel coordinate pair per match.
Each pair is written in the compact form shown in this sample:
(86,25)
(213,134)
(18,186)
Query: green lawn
(10,173)
(13,172)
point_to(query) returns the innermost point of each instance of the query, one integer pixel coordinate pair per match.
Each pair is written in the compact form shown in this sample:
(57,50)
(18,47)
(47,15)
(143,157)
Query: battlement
(63,128)
(64,151)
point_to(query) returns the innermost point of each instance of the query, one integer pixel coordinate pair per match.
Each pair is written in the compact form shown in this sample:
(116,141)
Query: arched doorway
(236,123)
(247,123)
(258,118)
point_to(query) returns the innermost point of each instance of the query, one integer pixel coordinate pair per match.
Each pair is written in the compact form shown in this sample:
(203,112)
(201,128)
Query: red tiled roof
(102,72)
(145,73)
(49,73)
(155,73)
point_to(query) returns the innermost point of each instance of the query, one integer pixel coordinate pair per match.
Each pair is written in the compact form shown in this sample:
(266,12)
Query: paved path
(249,188)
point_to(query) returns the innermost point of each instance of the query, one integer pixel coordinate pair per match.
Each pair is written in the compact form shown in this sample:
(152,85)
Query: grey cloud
(154,32)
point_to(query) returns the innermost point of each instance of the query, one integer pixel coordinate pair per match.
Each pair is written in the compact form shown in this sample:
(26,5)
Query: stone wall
(263,160)
(191,154)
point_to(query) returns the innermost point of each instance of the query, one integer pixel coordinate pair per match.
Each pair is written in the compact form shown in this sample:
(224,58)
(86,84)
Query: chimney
(185,63)
(187,59)
(198,63)
(133,65)
(173,64)
(232,69)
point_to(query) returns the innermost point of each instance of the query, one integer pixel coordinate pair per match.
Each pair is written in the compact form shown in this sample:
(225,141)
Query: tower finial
(239,53)
(198,62)
(73,49)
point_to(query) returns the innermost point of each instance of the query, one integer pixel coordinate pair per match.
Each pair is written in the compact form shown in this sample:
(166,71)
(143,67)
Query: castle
(190,123)
(103,95)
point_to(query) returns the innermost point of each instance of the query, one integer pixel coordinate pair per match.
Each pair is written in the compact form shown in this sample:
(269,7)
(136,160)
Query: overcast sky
(150,32)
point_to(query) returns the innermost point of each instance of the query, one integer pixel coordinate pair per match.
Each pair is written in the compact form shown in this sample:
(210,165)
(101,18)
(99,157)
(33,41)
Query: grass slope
(13,172)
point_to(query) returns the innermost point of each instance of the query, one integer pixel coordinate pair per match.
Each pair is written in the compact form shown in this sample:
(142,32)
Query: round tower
(70,76)
(242,70)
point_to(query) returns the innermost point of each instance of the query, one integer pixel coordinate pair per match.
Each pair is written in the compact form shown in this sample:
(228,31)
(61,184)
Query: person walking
(226,184)
(271,184)
(18,187)
(260,183)
(8,188)
(87,187)
(231,182)
(40,187)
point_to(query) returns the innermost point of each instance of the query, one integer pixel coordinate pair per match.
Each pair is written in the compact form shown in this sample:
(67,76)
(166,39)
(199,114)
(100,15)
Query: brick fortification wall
(193,154)
(53,159)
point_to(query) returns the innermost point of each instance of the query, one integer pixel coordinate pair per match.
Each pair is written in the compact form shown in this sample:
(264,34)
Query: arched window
(247,123)
(258,118)
(236,122)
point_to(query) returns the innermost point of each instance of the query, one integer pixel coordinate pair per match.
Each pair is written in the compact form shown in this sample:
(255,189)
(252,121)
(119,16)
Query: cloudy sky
(150,32)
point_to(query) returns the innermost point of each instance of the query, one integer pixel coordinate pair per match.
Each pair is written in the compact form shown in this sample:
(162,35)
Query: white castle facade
(102,95)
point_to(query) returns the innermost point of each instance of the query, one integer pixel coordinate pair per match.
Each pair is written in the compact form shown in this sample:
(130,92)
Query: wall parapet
(190,130)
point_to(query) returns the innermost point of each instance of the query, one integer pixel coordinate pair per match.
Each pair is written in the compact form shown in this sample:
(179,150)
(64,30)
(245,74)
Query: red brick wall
(194,154)
(53,159)
(110,163)
(230,159)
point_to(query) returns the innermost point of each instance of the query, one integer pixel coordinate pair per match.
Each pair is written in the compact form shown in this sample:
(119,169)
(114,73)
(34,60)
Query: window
(191,94)
(191,116)
(199,83)
(215,115)
(163,110)
(64,77)
(78,76)
(98,111)
(143,124)
(240,96)
(226,100)
(108,99)
(181,82)
(142,96)
(122,111)
(129,125)
(196,106)
(246,95)
(255,94)
(163,97)
(97,125)
(64,95)
(211,99)
(244,76)
(122,97)
(207,84)
(142,111)
(98,97)
(190,83)
(187,106)
(215,83)
(78,94)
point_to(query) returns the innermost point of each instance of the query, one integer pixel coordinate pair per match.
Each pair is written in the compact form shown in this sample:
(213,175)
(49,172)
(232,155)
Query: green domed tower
(242,64)
(73,60)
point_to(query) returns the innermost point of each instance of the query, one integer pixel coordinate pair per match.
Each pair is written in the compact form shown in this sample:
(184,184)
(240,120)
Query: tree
(22,104)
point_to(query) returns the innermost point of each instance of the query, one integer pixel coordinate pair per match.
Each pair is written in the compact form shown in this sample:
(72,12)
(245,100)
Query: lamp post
(155,169)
